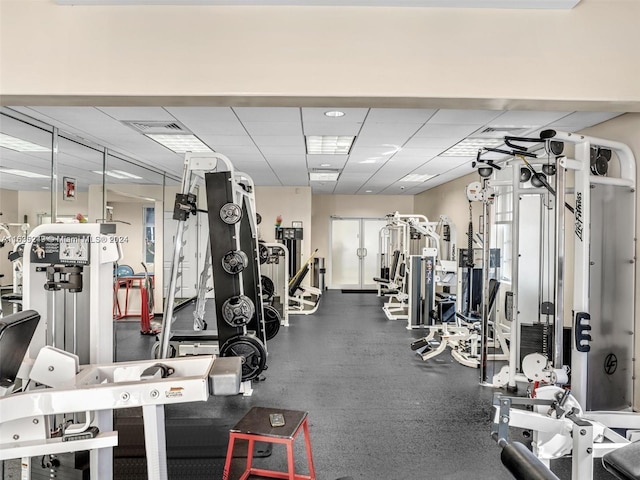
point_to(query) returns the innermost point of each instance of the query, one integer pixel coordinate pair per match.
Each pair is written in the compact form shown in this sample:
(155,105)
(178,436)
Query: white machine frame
(592,431)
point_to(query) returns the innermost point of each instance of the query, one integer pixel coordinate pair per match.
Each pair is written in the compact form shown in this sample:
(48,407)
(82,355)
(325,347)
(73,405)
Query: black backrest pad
(16,332)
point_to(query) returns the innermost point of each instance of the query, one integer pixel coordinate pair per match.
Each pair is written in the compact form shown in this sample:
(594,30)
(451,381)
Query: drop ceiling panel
(137,113)
(287,161)
(464,117)
(282,150)
(441,143)
(273,128)
(381,141)
(448,162)
(363,153)
(447,131)
(403,130)
(219,142)
(399,115)
(279,141)
(233,150)
(327,128)
(520,118)
(202,117)
(262,114)
(413,154)
(83,119)
(361,168)
(578,120)
(317,115)
(317,161)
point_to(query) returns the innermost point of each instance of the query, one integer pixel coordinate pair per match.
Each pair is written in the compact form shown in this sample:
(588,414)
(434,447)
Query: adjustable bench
(624,462)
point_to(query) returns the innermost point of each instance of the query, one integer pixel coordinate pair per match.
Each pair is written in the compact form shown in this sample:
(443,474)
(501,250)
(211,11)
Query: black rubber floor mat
(187,438)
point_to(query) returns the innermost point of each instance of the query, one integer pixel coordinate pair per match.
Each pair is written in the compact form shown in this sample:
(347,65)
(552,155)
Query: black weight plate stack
(268,288)
(251,352)
(264,253)
(271,321)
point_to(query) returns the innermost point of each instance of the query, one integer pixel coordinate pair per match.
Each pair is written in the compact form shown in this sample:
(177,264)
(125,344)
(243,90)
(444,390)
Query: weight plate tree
(251,352)
(230,238)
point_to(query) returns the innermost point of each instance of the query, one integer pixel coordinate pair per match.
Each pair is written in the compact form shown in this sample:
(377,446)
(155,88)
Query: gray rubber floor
(376,410)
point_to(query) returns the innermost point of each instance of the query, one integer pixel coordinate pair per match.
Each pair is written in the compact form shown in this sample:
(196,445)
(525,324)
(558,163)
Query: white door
(354,252)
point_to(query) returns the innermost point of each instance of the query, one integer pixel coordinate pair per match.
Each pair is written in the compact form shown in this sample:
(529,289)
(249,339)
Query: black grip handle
(523,464)
(582,327)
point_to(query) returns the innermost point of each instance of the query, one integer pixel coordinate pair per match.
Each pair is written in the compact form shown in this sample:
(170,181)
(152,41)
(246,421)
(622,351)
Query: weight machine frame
(588,263)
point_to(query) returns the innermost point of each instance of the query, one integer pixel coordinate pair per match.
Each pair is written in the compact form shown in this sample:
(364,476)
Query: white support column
(155,442)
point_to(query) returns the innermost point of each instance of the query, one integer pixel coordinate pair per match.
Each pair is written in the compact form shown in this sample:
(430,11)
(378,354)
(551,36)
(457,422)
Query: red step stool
(256,427)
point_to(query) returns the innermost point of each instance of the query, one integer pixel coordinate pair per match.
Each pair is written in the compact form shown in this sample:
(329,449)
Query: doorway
(355,252)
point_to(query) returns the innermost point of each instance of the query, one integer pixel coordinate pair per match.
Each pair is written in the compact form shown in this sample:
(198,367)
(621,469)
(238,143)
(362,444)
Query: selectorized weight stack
(233,258)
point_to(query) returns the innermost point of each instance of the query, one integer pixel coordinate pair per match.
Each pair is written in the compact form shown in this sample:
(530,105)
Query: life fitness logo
(610,364)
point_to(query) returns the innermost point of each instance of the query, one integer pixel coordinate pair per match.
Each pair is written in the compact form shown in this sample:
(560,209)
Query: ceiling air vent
(161,127)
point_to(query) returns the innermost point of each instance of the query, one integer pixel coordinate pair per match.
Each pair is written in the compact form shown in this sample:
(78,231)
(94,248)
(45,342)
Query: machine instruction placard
(67,249)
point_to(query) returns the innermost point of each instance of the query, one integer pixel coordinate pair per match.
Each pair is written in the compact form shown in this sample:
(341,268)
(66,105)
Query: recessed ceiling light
(19,145)
(45,188)
(180,143)
(334,113)
(415,177)
(22,173)
(328,144)
(368,191)
(469,147)
(324,176)
(119,174)
(325,164)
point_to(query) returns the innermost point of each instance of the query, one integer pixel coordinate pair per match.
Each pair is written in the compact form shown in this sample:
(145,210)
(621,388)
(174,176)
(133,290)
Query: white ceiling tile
(399,115)
(362,168)
(291,161)
(273,128)
(447,131)
(202,116)
(326,128)
(464,117)
(232,150)
(521,118)
(423,154)
(405,130)
(279,141)
(218,142)
(268,150)
(137,113)
(578,120)
(317,115)
(441,143)
(268,114)
(359,152)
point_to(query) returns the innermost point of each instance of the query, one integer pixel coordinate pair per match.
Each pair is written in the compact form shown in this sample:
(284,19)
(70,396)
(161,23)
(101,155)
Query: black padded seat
(624,462)
(16,332)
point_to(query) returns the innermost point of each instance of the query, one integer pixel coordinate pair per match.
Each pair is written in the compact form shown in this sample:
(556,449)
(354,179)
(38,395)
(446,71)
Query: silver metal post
(559,268)
(486,265)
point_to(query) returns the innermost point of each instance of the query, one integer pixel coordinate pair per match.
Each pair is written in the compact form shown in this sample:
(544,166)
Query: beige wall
(294,204)
(34,203)
(325,206)
(456,57)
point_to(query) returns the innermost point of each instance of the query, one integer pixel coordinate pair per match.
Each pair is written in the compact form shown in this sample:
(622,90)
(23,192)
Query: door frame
(362,283)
